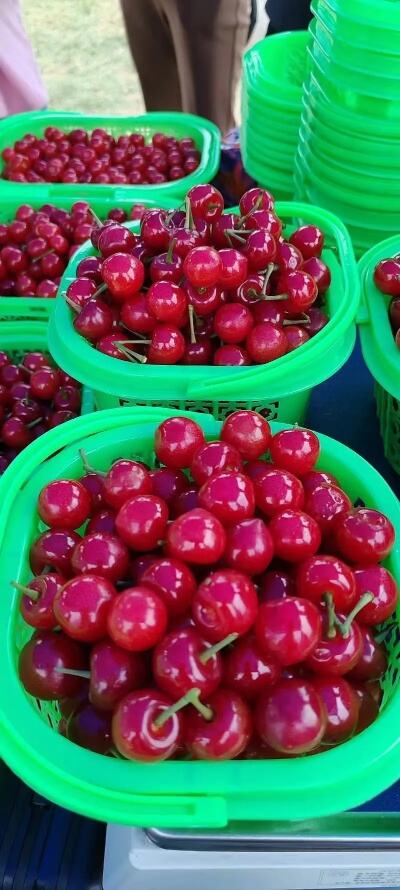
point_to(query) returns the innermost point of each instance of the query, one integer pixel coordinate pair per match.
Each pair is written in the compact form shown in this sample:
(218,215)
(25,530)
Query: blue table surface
(43,847)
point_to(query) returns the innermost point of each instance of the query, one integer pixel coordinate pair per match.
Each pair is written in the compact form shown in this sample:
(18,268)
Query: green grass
(83,55)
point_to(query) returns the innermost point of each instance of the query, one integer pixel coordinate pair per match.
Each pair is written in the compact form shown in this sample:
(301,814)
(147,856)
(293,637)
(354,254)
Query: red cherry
(247,670)
(53,550)
(248,432)
(266,342)
(196,537)
(135,315)
(326,503)
(378,581)
(296,450)
(141,521)
(123,274)
(249,547)
(184,502)
(15,434)
(226,735)
(291,717)
(90,729)
(372,663)
(228,496)
(365,536)
(288,628)
(181,662)
(214,457)
(42,660)
(275,585)
(315,478)
(309,240)
(232,355)
(342,707)
(176,441)
(94,320)
(225,603)
(295,535)
(301,290)
(44,383)
(296,336)
(202,266)
(319,271)
(168,483)
(135,732)
(103,521)
(113,674)
(81,290)
(336,655)
(288,257)
(174,583)
(102,554)
(167,345)
(37,607)
(260,250)
(64,503)
(125,479)
(82,606)
(115,239)
(256,199)
(264,219)
(234,268)
(233,322)
(369,709)
(323,574)
(387,276)
(206,202)
(277,489)
(167,302)
(137,619)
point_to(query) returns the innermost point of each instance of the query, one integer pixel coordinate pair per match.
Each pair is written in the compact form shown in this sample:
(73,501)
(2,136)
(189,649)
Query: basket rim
(380,352)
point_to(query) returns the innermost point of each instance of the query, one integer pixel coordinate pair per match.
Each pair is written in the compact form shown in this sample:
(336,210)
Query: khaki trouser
(188,53)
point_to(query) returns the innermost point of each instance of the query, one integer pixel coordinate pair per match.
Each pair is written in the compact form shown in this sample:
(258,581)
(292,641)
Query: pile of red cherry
(224,611)
(387,280)
(99,157)
(36,245)
(35,397)
(202,287)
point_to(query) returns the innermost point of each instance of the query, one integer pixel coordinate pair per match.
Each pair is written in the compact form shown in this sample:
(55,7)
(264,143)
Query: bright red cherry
(309,240)
(113,674)
(378,581)
(248,432)
(168,483)
(296,450)
(167,302)
(266,342)
(231,355)
(173,581)
(248,670)
(82,606)
(141,521)
(365,536)
(94,320)
(315,478)
(176,441)
(229,496)
(295,535)
(182,661)
(102,554)
(38,599)
(225,603)
(326,503)
(296,336)
(114,239)
(323,574)
(301,290)
(342,707)
(288,257)
(234,268)
(124,480)
(123,274)
(372,663)
(214,457)
(233,322)
(291,717)
(196,537)
(137,619)
(319,271)
(226,734)
(202,266)
(53,550)
(135,731)
(260,250)
(336,655)
(387,276)
(206,202)
(277,489)
(249,547)
(135,315)
(41,664)
(288,628)
(256,199)
(64,503)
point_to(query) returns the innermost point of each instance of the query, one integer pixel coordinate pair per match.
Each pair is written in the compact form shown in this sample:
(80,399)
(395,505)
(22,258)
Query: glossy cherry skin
(38,611)
(319,271)
(275,585)
(309,240)
(260,250)
(82,606)
(301,290)
(53,549)
(167,302)
(184,502)
(176,441)
(316,478)
(202,266)
(93,483)
(248,432)
(123,274)
(326,503)
(234,268)
(296,336)
(291,717)
(295,535)
(113,674)
(277,489)
(214,457)
(296,450)
(229,496)
(94,320)
(196,537)
(141,522)
(256,199)
(134,730)
(337,656)
(249,547)
(39,663)
(103,521)
(231,355)
(266,342)
(378,581)
(342,707)
(387,276)
(102,554)
(168,483)
(323,574)
(124,480)
(233,322)
(372,663)
(115,238)
(288,628)
(135,315)
(364,536)
(178,667)
(206,202)
(64,503)
(137,619)
(226,735)
(224,603)
(90,729)
(174,582)
(248,670)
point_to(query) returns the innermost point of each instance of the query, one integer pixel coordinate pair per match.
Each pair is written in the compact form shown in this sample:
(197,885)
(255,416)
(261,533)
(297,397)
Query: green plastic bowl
(205,134)
(381,157)
(278,62)
(380,352)
(377,190)
(356,59)
(364,28)
(37,307)
(281,389)
(353,85)
(182,794)
(373,13)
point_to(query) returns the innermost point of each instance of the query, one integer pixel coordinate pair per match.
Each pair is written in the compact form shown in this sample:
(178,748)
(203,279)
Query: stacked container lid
(348,157)
(273,73)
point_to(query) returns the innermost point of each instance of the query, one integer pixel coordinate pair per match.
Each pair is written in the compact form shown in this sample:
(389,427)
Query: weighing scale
(43,847)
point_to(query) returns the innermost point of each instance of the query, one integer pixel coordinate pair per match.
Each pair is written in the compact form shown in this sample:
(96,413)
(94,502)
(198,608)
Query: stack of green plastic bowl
(348,157)
(273,73)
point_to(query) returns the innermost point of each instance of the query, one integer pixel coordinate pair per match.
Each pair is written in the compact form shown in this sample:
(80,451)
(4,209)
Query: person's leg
(209,38)
(153,54)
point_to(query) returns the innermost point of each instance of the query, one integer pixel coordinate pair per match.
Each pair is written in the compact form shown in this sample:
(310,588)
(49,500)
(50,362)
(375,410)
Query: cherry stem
(27,591)
(189,222)
(191,698)
(267,276)
(73,305)
(170,252)
(305,320)
(212,650)
(96,218)
(73,673)
(332,619)
(100,290)
(130,353)
(87,466)
(232,233)
(279,297)
(345,626)
(191,325)
(256,206)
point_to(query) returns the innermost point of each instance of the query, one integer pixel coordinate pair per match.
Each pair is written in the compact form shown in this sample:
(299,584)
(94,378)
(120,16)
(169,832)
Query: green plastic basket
(349,117)
(279,63)
(363,25)
(38,308)
(205,134)
(17,337)
(280,390)
(350,57)
(383,158)
(174,794)
(376,190)
(379,349)
(352,86)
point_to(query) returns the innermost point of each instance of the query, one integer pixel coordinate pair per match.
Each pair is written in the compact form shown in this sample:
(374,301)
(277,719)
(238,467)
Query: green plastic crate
(180,794)
(379,349)
(38,308)
(205,134)
(280,390)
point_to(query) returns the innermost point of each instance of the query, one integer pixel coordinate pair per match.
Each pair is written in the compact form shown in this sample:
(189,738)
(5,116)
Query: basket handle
(162,812)
(243,380)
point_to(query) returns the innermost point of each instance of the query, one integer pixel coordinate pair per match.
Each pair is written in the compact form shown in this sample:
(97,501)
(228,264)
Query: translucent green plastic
(38,308)
(379,349)
(354,59)
(174,794)
(280,388)
(375,190)
(344,18)
(278,62)
(205,134)
(353,86)
(384,158)
(350,120)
